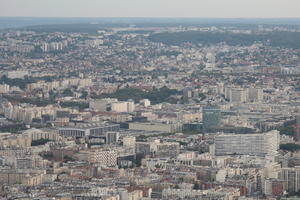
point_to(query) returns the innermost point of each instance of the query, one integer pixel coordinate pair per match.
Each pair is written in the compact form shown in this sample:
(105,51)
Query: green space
(39,142)
(33,101)
(74,104)
(22,83)
(13,128)
(144,137)
(287,128)
(276,38)
(155,95)
(290,147)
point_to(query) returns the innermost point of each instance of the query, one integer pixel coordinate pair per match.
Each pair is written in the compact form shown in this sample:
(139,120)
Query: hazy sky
(151,8)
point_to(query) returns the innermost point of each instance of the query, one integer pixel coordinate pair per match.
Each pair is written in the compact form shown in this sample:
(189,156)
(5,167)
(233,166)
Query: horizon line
(152,17)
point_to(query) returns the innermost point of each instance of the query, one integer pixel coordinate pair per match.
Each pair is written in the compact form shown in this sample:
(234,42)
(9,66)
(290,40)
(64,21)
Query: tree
(157,166)
(84,94)
(68,158)
(196,186)
(39,142)
(290,147)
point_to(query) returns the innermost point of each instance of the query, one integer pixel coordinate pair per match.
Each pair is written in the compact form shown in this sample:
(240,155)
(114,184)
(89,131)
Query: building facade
(247,144)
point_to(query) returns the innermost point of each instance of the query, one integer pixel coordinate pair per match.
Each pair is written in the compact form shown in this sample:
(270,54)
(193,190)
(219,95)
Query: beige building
(135,195)
(4,88)
(122,106)
(160,127)
(11,177)
(37,134)
(15,140)
(129,141)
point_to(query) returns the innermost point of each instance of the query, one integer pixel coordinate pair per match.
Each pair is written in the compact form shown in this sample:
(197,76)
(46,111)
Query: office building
(211,116)
(88,129)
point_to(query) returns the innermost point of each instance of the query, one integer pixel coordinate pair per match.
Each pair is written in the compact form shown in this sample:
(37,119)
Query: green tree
(290,147)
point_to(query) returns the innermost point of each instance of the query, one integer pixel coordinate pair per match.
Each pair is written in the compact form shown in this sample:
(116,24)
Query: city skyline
(149,100)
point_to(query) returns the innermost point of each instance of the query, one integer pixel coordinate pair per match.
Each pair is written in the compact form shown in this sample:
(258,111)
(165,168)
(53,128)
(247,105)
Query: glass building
(211,116)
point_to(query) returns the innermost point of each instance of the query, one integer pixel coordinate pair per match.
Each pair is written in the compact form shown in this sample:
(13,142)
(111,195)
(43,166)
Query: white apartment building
(247,144)
(37,134)
(26,113)
(17,74)
(237,94)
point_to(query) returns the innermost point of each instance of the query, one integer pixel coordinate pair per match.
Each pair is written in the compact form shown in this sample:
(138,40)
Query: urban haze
(149,100)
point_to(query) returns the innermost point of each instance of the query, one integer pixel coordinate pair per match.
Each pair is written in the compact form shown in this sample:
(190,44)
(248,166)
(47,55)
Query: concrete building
(211,116)
(37,134)
(101,104)
(143,148)
(255,95)
(157,148)
(111,137)
(221,193)
(211,61)
(15,140)
(88,129)
(112,105)
(155,126)
(145,102)
(135,195)
(122,106)
(238,95)
(17,74)
(129,141)
(103,157)
(247,144)
(29,162)
(4,88)
(11,177)
(274,187)
(166,149)
(292,178)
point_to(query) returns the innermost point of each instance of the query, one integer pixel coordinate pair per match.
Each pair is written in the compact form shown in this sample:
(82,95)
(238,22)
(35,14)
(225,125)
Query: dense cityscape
(140,110)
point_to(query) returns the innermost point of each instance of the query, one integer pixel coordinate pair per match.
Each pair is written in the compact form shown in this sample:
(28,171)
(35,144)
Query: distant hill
(277,38)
